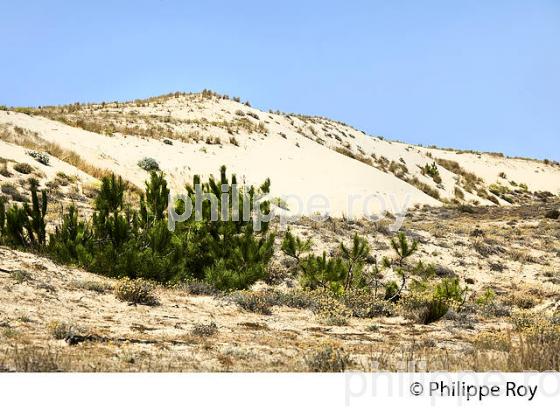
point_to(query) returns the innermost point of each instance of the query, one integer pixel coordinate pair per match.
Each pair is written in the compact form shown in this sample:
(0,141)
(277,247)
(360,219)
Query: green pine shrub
(432,171)
(429,302)
(135,242)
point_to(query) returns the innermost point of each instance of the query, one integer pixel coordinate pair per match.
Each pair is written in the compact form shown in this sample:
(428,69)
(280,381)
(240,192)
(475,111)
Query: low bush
(148,164)
(137,291)
(327,359)
(93,286)
(204,329)
(256,302)
(363,304)
(40,157)
(198,287)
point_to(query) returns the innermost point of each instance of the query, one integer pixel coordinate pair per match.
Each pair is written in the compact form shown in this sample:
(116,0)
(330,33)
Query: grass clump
(23,168)
(327,359)
(93,286)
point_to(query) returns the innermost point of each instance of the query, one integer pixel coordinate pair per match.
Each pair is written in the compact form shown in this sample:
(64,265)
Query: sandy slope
(299,154)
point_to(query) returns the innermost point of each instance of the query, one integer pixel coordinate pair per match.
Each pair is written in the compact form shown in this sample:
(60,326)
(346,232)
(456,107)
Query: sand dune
(311,161)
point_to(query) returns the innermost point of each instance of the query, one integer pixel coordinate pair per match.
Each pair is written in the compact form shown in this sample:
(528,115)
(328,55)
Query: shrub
(337,274)
(423,310)
(427,305)
(552,214)
(93,285)
(204,330)
(327,359)
(403,250)
(521,300)
(69,241)
(294,246)
(392,291)
(198,287)
(9,189)
(148,164)
(40,157)
(36,213)
(255,302)
(137,291)
(62,330)
(501,191)
(23,168)
(363,304)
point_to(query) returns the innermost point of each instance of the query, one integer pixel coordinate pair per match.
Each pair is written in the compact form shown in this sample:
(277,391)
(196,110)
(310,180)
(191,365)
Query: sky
(479,75)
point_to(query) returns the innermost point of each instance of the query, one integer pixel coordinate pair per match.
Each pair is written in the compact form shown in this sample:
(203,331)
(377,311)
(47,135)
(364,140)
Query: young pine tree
(35,224)
(153,208)
(403,250)
(71,240)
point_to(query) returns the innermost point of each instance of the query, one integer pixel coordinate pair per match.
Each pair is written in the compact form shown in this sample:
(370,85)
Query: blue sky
(467,74)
